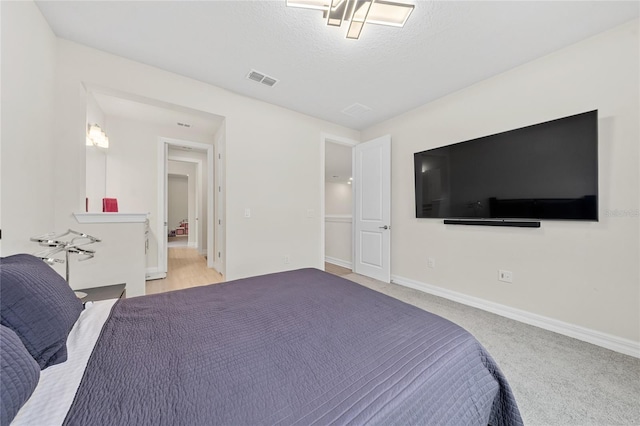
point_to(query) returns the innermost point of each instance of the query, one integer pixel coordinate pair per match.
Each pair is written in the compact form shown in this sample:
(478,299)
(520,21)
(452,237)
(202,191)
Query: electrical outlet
(506,276)
(247,212)
(310,212)
(287,259)
(431,262)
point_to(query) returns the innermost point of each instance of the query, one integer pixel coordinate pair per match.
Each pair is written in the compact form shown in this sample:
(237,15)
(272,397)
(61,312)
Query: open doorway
(186,193)
(188,234)
(191,264)
(184,156)
(338,205)
(181,198)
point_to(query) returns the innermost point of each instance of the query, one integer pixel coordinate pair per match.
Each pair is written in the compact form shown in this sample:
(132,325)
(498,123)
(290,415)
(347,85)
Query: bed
(300,347)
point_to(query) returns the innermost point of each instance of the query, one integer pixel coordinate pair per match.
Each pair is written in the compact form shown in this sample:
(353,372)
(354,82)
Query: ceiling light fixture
(358,13)
(96,137)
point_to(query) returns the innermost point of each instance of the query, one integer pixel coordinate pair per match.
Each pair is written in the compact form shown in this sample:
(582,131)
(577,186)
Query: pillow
(39,306)
(19,375)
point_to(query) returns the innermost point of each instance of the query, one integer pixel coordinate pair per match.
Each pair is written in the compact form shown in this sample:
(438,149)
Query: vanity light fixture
(358,12)
(96,136)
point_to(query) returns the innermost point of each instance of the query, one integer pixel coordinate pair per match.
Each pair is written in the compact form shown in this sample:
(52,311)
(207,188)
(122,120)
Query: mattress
(298,347)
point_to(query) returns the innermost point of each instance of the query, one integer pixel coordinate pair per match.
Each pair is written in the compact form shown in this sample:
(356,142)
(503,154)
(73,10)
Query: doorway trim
(340,140)
(198,193)
(163,144)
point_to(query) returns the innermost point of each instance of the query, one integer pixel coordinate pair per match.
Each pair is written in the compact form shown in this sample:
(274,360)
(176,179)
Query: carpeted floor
(557,380)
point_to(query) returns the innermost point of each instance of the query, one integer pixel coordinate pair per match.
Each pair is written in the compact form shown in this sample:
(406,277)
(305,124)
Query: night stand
(94,294)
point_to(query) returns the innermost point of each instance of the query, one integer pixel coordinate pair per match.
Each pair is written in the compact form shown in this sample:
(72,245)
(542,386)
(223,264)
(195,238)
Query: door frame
(197,195)
(340,140)
(162,200)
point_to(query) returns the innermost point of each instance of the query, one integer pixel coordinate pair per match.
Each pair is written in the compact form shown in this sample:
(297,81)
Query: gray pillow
(39,306)
(19,375)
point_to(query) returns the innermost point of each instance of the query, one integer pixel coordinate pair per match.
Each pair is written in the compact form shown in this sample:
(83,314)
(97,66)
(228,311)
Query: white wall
(338,199)
(585,274)
(177,200)
(338,223)
(27,114)
(272,161)
(32,159)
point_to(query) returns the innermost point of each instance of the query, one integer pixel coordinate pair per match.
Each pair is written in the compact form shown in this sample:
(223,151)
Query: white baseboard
(154,274)
(618,344)
(338,262)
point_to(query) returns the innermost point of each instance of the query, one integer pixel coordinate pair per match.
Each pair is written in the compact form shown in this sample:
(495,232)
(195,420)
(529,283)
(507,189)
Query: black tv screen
(544,171)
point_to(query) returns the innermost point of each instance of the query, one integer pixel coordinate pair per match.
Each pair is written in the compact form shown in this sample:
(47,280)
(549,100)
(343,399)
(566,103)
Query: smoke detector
(260,77)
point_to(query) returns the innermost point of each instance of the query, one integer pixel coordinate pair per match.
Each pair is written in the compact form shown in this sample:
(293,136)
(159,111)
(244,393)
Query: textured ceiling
(444,47)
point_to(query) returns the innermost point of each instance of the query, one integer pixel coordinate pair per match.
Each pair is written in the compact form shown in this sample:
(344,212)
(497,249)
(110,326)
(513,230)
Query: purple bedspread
(301,347)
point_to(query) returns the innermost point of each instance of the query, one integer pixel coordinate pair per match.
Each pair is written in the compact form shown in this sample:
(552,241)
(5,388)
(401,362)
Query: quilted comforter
(301,347)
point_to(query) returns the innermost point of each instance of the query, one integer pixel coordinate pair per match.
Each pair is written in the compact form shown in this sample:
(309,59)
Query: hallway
(186,268)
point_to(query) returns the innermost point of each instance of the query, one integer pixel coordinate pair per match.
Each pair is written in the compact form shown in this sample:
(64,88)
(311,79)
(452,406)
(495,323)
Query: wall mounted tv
(544,171)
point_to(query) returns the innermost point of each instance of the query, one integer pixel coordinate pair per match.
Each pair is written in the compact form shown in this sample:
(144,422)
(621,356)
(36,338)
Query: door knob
(383,227)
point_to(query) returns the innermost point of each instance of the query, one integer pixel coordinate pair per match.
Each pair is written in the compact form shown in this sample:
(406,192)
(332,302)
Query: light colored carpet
(556,380)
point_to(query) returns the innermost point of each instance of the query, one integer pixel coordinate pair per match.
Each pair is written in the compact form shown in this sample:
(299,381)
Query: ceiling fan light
(336,12)
(359,18)
(310,4)
(355,28)
(358,12)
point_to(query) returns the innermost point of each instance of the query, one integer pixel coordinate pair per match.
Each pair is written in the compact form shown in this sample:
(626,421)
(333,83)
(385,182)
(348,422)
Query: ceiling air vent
(356,110)
(261,78)
(269,81)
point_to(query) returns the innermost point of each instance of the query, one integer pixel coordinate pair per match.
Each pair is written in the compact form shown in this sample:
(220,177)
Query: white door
(372,208)
(219,246)
(163,266)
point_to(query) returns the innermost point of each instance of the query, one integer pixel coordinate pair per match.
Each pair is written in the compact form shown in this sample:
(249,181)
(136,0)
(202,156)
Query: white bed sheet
(58,384)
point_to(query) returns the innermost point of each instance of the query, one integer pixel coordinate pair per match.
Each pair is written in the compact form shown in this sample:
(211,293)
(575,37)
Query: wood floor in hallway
(186,268)
(336,270)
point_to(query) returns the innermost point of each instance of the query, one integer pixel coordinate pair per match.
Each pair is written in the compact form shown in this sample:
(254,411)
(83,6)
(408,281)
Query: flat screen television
(544,171)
